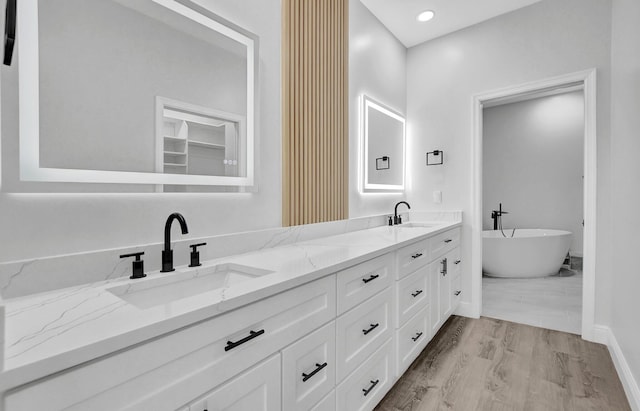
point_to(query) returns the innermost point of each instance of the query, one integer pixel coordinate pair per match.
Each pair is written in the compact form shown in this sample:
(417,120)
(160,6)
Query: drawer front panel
(412,338)
(257,390)
(328,403)
(364,389)
(412,294)
(412,257)
(456,289)
(361,331)
(443,242)
(172,370)
(309,369)
(454,263)
(362,281)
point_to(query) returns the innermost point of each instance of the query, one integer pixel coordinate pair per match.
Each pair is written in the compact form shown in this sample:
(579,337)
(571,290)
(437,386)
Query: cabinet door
(255,390)
(309,369)
(445,287)
(434,292)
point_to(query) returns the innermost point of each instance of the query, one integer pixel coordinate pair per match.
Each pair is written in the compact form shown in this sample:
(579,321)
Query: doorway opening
(488,107)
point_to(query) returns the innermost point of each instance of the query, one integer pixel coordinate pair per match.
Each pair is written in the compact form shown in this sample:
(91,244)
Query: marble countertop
(49,332)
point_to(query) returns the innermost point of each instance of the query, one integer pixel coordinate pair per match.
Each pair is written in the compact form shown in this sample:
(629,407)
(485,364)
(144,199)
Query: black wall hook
(9,31)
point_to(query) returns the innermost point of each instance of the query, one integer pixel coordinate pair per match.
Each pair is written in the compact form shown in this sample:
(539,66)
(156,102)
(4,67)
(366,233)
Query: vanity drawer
(456,289)
(412,257)
(412,338)
(444,242)
(364,389)
(257,389)
(328,403)
(357,283)
(453,261)
(361,331)
(412,293)
(172,370)
(309,369)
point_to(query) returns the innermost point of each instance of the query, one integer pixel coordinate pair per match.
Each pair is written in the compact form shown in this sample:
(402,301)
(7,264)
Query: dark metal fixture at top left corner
(9,31)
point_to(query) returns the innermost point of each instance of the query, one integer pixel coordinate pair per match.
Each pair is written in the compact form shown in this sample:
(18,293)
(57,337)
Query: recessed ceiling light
(426,15)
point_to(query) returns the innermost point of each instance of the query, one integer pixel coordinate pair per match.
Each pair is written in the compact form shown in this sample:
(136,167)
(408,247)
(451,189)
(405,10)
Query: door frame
(588,80)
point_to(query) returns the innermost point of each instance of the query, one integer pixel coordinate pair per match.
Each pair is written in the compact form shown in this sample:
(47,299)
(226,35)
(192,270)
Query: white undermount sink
(417,224)
(150,292)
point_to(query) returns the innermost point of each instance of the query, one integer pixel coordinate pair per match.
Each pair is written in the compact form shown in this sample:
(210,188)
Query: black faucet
(167,253)
(396,218)
(496,215)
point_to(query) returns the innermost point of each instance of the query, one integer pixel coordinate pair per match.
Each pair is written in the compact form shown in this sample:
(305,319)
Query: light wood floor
(489,364)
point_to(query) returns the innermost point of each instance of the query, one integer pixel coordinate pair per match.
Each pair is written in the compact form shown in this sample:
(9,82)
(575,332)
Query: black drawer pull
(457,262)
(417,293)
(373,327)
(319,367)
(416,255)
(457,292)
(252,334)
(371,278)
(418,335)
(448,240)
(368,390)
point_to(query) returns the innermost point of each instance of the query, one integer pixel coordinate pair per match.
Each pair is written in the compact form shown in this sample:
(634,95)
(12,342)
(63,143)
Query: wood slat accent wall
(315,144)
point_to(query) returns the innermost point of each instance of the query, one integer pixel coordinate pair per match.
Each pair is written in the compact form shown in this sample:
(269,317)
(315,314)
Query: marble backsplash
(20,278)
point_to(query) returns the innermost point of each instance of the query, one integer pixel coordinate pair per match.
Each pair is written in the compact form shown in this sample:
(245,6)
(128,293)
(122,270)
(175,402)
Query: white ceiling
(399,16)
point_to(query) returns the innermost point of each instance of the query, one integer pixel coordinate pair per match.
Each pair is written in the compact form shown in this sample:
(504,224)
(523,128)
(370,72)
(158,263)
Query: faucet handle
(195,254)
(137,265)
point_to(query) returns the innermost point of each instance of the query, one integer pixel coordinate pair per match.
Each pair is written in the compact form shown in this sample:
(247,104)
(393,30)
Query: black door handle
(252,334)
(417,293)
(371,278)
(319,367)
(416,255)
(418,335)
(373,327)
(448,240)
(368,390)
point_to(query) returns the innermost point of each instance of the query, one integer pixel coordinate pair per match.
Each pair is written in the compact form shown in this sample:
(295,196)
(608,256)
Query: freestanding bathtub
(530,253)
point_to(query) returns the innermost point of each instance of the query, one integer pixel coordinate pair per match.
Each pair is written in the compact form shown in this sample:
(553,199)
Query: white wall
(33,225)
(546,39)
(377,68)
(625,126)
(533,164)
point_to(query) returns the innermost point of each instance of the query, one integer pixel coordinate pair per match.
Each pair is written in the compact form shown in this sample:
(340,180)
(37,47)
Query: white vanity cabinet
(336,343)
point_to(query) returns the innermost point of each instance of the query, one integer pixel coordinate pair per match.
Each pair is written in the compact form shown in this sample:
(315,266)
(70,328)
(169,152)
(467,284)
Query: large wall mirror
(135,91)
(383,136)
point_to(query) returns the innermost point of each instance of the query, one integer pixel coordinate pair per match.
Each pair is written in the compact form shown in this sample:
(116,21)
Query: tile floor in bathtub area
(553,302)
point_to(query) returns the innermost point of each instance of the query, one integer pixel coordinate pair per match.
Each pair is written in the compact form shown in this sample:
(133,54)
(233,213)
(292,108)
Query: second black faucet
(396,218)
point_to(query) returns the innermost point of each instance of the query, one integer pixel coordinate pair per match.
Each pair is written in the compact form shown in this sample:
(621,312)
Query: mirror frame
(369,103)
(29,105)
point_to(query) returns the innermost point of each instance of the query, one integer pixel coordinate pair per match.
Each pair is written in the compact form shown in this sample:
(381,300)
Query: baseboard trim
(465,309)
(629,383)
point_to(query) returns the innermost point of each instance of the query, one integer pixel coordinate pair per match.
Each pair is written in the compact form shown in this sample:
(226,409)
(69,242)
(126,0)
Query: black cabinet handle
(418,335)
(252,334)
(448,240)
(416,255)
(457,292)
(444,267)
(319,367)
(373,327)
(368,390)
(371,278)
(457,262)
(417,293)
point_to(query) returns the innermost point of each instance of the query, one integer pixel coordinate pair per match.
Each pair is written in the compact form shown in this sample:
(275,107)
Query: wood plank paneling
(315,146)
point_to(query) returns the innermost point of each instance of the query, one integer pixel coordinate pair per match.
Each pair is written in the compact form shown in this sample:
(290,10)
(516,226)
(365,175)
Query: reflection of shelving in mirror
(198,141)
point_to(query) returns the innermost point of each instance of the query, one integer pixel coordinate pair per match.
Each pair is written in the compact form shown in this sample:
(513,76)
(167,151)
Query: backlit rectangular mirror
(135,91)
(383,145)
